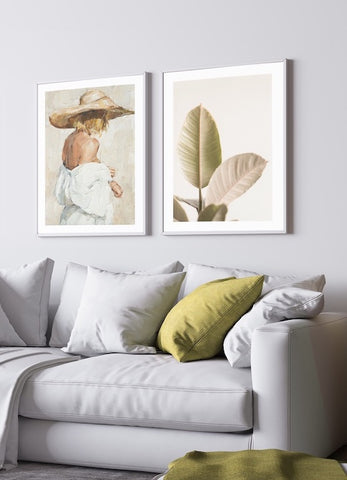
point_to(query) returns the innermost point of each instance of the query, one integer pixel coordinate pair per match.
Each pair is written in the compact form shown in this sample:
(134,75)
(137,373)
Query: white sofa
(138,412)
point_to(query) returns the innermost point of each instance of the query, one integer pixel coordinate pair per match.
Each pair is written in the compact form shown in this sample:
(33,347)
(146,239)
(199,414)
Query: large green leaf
(199,147)
(213,213)
(179,213)
(234,177)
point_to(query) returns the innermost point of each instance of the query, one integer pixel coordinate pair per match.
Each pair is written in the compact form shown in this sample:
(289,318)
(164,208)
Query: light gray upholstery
(143,390)
(299,371)
(299,403)
(124,448)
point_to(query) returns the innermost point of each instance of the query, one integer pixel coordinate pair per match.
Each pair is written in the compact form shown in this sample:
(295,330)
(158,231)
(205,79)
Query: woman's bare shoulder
(84,138)
(79,148)
(89,145)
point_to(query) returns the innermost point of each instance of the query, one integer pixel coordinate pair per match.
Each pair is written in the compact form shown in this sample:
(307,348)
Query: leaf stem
(200,200)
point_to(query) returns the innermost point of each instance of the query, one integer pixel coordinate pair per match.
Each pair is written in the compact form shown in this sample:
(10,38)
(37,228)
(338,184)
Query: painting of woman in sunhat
(86,185)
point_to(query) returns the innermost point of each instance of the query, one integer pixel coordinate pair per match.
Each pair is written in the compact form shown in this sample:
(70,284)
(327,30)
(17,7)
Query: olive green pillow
(195,327)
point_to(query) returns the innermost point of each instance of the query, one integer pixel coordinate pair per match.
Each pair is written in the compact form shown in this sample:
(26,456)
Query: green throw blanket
(253,465)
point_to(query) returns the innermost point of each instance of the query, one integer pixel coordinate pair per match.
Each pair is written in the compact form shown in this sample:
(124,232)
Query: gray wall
(61,40)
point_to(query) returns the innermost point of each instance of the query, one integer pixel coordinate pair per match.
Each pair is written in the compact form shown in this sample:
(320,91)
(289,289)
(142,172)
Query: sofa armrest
(300,384)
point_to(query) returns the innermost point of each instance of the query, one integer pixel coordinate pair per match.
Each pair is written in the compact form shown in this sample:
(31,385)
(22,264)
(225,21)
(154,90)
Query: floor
(40,471)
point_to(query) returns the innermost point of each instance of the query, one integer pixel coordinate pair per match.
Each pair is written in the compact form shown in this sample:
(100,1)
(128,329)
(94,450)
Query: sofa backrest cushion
(122,312)
(73,285)
(237,344)
(195,328)
(8,335)
(199,274)
(24,297)
(283,303)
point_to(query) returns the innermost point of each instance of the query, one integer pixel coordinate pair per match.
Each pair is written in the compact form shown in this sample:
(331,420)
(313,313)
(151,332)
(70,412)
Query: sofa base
(117,447)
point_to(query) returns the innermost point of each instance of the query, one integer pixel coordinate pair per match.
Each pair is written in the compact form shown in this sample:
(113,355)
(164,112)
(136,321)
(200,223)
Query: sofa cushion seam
(147,420)
(97,385)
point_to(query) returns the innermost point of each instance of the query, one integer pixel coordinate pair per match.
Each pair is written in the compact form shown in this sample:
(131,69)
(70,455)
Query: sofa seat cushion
(143,390)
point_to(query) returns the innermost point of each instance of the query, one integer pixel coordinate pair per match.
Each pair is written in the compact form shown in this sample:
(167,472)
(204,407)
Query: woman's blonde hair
(91,124)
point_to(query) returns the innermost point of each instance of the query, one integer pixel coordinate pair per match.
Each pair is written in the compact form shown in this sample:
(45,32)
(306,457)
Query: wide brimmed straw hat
(92,101)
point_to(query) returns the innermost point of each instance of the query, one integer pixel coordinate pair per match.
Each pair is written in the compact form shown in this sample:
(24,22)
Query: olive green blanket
(253,465)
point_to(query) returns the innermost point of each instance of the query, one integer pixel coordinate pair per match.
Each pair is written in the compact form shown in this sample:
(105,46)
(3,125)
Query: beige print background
(242,109)
(117,150)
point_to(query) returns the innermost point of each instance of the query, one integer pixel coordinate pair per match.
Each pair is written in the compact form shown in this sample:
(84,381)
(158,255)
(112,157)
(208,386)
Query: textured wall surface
(62,40)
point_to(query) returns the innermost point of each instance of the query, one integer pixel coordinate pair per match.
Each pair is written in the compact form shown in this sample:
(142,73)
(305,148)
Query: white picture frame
(248,108)
(122,147)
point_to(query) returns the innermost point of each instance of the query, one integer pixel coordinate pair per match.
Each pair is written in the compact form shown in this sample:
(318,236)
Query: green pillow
(195,327)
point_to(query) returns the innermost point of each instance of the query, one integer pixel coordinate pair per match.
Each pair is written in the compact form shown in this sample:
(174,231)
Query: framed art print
(92,157)
(225,150)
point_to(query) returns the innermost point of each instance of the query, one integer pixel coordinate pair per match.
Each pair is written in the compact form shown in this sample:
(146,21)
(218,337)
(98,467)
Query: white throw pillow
(74,280)
(24,296)
(8,336)
(122,312)
(199,274)
(280,304)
